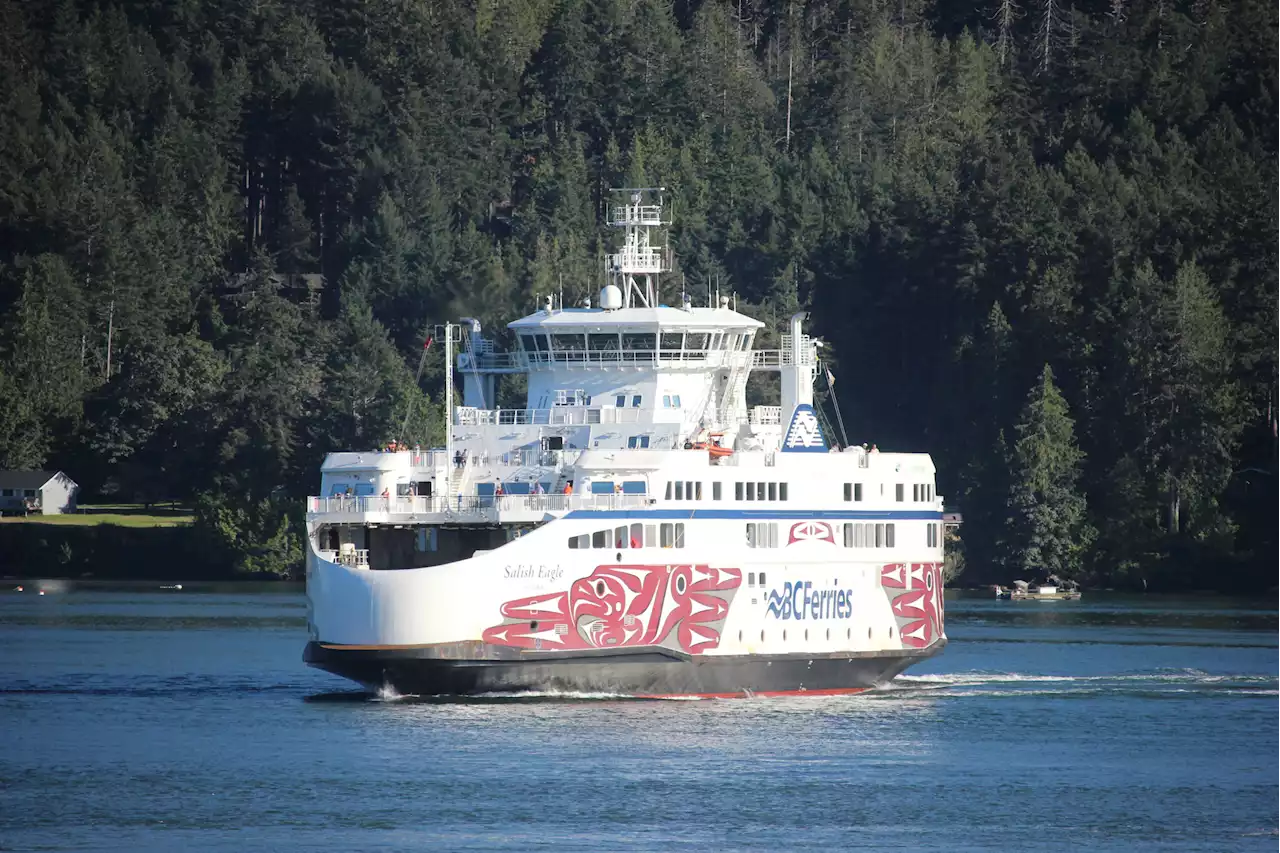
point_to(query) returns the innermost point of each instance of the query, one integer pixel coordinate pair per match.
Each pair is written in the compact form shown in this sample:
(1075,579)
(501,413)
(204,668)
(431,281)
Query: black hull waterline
(640,672)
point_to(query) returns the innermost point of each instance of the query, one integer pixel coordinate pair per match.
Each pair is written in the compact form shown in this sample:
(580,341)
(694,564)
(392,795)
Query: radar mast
(635,267)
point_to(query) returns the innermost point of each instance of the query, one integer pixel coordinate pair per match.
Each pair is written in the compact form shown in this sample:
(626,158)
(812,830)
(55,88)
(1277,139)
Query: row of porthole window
(666,535)
(920,492)
(848,634)
(878,535)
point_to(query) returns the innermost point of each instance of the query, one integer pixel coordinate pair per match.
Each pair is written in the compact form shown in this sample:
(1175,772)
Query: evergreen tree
(1049,531)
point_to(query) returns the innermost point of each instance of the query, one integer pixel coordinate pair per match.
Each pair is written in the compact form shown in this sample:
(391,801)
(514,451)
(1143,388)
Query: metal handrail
(478,505)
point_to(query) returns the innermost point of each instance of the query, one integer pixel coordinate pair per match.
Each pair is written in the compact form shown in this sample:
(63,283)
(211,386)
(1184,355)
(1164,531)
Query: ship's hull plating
(427,671)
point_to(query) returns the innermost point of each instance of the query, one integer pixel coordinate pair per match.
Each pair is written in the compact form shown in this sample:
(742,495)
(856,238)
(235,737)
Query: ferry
(636,529)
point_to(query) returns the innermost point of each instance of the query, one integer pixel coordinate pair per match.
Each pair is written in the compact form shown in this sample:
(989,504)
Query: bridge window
(915,491)
(635,401)
(620,400)
(639,341)
(762,584)
(638,442)
(715,490)
(672,342)
(602,487)
(567,343)
(603,342)
(634,487)
(751,578)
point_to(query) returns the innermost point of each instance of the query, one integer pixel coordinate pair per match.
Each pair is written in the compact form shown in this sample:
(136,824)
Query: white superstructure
(636,506)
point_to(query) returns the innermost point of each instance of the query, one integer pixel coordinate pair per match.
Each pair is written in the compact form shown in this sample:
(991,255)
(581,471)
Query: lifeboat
(715,450)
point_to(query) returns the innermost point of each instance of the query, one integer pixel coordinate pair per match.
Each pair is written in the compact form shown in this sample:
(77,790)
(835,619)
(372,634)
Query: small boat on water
(1050,590)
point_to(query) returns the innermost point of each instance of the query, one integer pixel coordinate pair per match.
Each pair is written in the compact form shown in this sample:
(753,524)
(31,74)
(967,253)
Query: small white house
(47,492)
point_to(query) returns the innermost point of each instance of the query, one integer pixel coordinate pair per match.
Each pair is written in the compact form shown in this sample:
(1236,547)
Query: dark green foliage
(1048,530)
(953,216)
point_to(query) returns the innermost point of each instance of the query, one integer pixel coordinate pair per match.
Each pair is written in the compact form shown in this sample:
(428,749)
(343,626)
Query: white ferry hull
(598,622)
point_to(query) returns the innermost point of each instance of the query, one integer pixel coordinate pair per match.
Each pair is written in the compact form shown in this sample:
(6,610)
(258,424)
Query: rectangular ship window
(600,539)
(679,490)
(782,491)
(667,495)
(679,535)
(737,491)
(668,534)
(697,490)
(898,492)
(888,536)
(857,491)
(848,491)
(773,491)
(760,491)
(620,537)
(637,535)
(716,490)
(848,535)
(751,491)
(651,536)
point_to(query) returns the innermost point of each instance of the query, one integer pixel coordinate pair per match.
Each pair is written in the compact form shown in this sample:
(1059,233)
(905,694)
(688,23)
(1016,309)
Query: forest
(1039,237)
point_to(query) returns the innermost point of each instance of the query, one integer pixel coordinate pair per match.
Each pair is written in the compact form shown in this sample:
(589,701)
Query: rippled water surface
(155,719)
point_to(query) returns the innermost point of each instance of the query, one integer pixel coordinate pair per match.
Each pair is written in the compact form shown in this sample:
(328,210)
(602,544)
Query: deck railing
(484,505)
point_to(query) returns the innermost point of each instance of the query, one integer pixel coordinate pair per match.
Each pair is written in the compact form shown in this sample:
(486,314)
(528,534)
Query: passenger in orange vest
(568,487)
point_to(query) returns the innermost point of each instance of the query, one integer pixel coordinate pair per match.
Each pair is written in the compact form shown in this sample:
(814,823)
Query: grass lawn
(124,515)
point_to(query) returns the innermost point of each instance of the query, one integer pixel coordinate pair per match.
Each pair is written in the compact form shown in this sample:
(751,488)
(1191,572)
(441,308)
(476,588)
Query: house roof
(26,479)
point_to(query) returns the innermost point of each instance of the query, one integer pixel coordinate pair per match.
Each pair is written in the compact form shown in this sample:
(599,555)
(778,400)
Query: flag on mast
(427,345)
(831,377)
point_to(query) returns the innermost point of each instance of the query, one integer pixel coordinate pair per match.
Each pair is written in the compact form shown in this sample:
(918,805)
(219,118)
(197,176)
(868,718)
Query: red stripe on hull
(763,694)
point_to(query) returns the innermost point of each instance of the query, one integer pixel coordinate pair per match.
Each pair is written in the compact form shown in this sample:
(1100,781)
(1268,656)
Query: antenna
(635,267)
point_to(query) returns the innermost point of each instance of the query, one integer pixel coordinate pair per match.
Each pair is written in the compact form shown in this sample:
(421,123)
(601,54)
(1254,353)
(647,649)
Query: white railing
(772,359)
(766,416)
(635,214)
(481,505)
(638,261)
(568,415)
(355,557)
(612,358)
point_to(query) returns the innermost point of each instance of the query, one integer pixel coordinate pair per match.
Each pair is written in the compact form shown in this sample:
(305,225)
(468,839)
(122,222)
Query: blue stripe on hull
(799,514)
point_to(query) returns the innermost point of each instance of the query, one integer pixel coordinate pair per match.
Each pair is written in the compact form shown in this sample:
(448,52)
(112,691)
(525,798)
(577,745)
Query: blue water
(167,720)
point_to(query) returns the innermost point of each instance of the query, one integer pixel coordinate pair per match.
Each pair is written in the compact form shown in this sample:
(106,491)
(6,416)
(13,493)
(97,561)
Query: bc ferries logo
(811,531)
(799,600)
(804,435)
